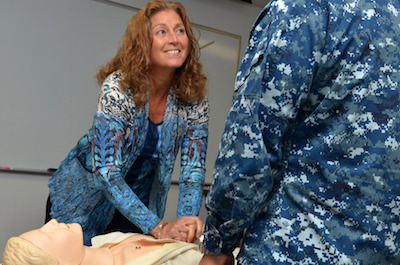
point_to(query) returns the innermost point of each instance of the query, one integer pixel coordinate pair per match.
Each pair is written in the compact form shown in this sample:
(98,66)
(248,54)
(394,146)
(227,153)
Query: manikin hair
(19,251)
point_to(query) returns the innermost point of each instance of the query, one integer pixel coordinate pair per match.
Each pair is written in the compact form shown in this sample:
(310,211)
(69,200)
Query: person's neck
(159,88)
(160,84)
(97,256)
(160,80)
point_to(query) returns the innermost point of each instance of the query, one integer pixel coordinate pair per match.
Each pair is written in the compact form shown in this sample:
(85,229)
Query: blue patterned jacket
(308,170)
(89,184)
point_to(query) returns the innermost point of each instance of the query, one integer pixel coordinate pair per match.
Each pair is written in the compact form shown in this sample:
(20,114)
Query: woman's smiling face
(170,44)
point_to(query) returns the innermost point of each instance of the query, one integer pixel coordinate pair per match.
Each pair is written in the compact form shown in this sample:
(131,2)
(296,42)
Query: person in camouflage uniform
(308,170)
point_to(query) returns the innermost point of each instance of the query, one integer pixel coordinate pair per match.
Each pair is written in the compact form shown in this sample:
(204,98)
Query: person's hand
(186,229)
(222,259)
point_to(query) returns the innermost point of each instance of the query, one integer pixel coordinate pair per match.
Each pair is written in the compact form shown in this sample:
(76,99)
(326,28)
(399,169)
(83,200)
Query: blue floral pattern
(89,184)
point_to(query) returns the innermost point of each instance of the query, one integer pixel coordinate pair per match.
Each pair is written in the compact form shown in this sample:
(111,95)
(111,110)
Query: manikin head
(53,244)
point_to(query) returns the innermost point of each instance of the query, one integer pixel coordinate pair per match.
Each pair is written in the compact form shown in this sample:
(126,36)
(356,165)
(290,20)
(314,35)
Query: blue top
(95,169)
(309,163)
(143,169)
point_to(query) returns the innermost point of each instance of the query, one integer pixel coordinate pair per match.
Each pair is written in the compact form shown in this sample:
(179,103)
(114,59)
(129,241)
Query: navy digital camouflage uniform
(308,169)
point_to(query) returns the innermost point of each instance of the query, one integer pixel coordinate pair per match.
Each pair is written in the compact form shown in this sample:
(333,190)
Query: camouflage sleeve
(242,177)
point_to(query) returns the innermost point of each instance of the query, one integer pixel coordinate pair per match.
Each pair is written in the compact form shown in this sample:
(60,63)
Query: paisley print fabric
(308,170)
(89,183)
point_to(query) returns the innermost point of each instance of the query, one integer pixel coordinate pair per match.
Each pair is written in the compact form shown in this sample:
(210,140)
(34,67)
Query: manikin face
(61,241)
(170,43)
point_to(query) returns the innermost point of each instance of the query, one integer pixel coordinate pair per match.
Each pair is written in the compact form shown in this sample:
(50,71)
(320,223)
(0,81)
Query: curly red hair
(133,58)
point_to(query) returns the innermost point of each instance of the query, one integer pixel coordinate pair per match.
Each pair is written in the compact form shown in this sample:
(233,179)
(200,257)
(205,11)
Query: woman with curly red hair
(153,102)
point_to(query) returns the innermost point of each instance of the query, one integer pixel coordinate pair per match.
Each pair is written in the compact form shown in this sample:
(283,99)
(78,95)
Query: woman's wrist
(159,228)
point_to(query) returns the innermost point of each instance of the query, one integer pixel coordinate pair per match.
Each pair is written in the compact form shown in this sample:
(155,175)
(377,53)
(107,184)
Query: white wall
(22,204)
(49,53)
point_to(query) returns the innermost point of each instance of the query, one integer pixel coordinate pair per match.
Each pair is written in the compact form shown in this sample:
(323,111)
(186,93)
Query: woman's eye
(161,32)
(181,31)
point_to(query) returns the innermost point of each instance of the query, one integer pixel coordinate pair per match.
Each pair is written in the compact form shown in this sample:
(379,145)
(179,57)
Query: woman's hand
(186,229)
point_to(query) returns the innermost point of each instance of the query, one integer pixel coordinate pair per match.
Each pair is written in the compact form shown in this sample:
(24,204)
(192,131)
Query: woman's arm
(193,158)
(109,161)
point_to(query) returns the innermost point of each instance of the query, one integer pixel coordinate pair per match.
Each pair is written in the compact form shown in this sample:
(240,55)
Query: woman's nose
(173,38)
